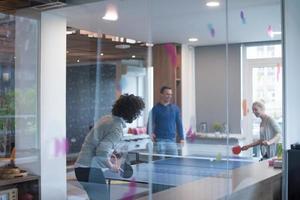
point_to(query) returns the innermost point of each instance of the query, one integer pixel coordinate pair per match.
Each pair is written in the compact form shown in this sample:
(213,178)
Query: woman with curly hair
(95,155)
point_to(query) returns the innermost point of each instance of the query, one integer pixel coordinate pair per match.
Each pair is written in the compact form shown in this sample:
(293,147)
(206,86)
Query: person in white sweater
(269,132)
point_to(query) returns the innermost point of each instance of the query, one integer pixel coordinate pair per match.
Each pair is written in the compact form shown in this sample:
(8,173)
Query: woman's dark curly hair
(128,107)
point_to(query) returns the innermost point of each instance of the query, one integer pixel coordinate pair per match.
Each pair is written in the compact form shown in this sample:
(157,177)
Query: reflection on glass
(206,74)
(19,138)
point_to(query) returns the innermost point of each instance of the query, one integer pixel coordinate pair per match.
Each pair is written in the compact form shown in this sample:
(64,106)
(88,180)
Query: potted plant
(217,127)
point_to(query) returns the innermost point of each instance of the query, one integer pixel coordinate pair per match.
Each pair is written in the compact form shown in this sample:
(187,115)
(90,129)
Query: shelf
(6,182)
(220,136)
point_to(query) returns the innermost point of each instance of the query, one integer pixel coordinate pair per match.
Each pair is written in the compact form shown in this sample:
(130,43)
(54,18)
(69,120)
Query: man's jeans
(167,146)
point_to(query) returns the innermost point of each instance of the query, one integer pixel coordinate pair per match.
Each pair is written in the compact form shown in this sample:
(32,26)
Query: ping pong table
(171,172)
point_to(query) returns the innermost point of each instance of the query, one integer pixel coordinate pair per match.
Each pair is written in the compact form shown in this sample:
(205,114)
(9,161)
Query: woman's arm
(253,144)
(273,140)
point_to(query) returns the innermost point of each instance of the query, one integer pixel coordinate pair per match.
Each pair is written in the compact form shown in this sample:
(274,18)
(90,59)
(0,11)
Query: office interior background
(64,63)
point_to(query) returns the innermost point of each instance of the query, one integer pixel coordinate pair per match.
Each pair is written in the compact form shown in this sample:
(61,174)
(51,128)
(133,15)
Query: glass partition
(254,29)
(198,66)
(19,135)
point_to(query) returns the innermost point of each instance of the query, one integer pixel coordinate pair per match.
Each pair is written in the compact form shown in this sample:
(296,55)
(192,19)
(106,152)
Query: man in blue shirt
(164,120)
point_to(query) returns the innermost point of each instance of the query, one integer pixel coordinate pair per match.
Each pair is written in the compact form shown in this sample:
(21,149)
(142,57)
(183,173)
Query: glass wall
(202,53)
(256,30)
(19,135)
(197,138)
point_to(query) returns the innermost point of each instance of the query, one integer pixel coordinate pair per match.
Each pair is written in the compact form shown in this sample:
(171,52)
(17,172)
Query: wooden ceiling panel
(84,48)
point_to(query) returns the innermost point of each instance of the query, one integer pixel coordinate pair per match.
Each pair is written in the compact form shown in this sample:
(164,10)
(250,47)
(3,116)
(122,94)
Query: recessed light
(122,46)
(133,56)
(130,41)
(78,60)
(101,54)
(111,13)
(71,32)
(149,45)
(193,39)
(213,3)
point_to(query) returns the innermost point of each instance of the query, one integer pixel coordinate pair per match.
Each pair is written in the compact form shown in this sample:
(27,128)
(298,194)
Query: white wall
(211,78)
(188,87)
(291,71)
(53,107)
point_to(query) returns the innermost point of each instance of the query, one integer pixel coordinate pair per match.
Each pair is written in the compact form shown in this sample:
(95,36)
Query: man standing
(163,121)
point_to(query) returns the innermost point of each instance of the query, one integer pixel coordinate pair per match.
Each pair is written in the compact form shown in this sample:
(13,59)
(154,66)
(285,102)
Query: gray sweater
(269,130)
(100,141)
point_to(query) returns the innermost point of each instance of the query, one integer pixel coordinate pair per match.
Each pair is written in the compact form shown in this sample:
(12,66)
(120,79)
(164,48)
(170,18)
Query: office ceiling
(154,21)
(163,21)
(10,6)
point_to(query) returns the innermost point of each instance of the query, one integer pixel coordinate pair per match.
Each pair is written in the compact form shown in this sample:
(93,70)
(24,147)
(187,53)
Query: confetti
(242,16)
(219,156)
(211,30)
(270,31)
(61,147)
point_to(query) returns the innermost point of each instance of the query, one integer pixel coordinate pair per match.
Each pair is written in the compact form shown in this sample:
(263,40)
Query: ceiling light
(130,41)
(193,39)
(133,56)
(101,54)
(78,60)
(111,13)
(212,3)
(122,46)
(149,45)
(71,32)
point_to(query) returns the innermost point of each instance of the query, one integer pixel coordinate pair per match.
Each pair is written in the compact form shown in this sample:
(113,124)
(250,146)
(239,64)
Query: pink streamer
(171,51)
(278,71)
(191,135)
(132,190)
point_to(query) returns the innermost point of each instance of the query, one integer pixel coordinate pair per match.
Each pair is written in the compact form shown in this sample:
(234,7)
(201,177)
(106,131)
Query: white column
(188,88)
(149,92)
(291,71)
(53,107)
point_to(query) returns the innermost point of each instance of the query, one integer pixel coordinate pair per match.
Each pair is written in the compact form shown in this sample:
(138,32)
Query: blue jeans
(167,146)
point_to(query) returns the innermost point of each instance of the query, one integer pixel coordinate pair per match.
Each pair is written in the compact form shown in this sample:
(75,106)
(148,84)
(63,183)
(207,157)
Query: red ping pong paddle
(236,149)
